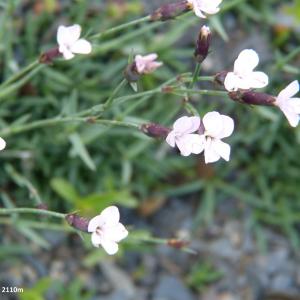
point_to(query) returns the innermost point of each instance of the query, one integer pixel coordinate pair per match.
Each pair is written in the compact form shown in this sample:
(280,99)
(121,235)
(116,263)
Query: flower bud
(155,130)
(220,77)
(131,73)
(252,98)
(48,56)
(170,11)
(202,45)
(78,222)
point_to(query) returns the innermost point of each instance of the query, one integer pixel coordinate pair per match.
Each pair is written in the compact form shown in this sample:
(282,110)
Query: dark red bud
(48,56)
(78,222)
(202,45)
(131,73)
(170,11)
(252,98)
(155,130)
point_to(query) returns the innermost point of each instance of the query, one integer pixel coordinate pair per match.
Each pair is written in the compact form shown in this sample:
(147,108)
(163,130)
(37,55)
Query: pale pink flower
(288,105)
(243,76)
(201,7)
(69,42)
(147,64)
(183,137)
(2,144)
(106,230)
(216,127)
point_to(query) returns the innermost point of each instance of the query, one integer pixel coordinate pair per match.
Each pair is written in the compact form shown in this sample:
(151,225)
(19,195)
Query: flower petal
(115,233)
(171,139)
(2,144)
(185,125)
(82,47)
(210,155)
(96,239)
(110,216)
(213,124)
(109,246)
(221,148)
(67,54)
(290,114)
(245,63)
(295,104)
(291,90)
(190,143)
(257,80)
(68,35)
(95,222)
(232,82)
(228,127)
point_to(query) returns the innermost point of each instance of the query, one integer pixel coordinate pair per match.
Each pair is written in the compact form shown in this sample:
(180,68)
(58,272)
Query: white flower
(216,127)
(243,76)
(2,144)
(147,64)
(205,6)
(182,136)
(106,230)
(288,105)
(69,42)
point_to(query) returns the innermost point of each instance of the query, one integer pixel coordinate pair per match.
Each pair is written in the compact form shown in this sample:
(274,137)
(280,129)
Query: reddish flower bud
(202,45)
(155,130)
(220,77)
(170,11)
(78,222)
(252,98)
(131,73)
(48,56)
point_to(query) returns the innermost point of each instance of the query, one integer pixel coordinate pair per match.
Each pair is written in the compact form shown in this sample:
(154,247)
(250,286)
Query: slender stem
(203,92)
(15,86)
(56,121)
(195,76)
(19,74)
(115,93)
(37,225)
(120,27)
(26,210)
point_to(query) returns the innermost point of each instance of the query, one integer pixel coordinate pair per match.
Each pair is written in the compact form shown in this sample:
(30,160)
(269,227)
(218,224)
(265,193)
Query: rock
(171,288)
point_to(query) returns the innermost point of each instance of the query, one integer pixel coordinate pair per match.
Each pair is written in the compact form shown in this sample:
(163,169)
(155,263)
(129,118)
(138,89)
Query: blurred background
(242,217)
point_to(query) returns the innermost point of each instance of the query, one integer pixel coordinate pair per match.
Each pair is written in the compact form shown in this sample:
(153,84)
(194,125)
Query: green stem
(21,73)
(120,27)
(56,121)
(26,210)
(202,92)
(37,225)
(15,86)
(115,93)
(195,76)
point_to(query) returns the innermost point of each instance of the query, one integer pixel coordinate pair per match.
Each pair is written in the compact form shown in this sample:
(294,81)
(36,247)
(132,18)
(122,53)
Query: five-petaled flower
(69,42)
(183,137)
(205,6)
(2,144)
(216,127)
(106,230)
(243,76)
(289,106)
(147,64)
